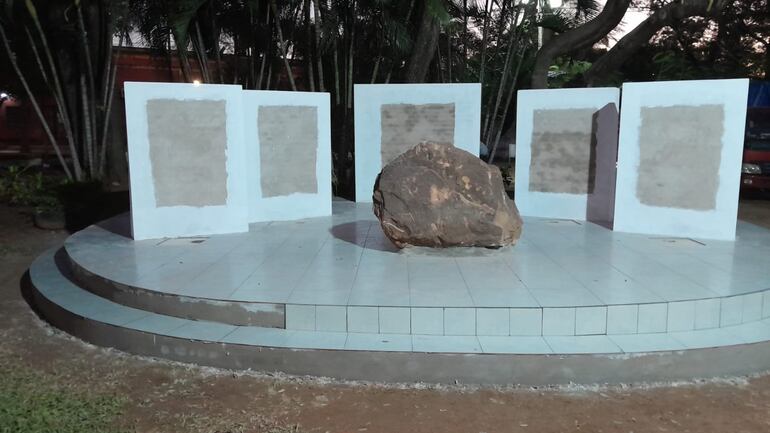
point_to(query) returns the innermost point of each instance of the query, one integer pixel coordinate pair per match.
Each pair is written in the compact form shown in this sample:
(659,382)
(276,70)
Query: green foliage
(670,65)
(565,71)
(439,11)
(30,403)
(24,187)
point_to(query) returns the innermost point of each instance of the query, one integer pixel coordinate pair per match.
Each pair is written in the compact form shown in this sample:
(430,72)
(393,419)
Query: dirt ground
(168,397)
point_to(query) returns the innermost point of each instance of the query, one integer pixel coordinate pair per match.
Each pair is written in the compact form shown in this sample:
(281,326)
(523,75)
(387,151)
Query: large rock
(436,195)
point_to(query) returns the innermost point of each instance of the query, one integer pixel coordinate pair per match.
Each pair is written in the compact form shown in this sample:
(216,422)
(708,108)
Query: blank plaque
(562,150)
(393,118)
(186,159)
(406,125)
(288,145)
(680,150)
(288,139)
(679,158)
(187,152)
(557,149)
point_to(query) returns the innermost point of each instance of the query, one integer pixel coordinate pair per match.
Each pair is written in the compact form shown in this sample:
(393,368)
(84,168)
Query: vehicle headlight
(748,168)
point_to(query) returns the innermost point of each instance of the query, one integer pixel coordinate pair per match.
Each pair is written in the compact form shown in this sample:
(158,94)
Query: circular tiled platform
(573,302)
(340,274)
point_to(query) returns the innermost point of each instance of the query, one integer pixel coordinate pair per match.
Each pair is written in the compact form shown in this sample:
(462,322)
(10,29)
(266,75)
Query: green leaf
(180,15)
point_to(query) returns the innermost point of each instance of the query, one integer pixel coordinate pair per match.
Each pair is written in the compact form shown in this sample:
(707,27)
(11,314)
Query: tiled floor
(581,278)
(51,284)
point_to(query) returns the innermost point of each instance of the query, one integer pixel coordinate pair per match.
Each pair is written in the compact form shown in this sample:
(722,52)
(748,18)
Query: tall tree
(583,36)
(629,44)
(424,48)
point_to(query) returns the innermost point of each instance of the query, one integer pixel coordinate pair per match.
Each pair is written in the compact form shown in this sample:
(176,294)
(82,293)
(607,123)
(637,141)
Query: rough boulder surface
(436,195)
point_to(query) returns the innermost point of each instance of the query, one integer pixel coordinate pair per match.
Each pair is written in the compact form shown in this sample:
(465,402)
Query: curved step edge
(528,370)
(238,313)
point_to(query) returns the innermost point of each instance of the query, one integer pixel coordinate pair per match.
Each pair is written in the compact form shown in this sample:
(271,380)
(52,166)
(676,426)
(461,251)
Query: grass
(30,403)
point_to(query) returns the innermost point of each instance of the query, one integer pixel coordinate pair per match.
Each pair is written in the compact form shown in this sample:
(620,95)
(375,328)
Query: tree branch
(578,38)
(665,16)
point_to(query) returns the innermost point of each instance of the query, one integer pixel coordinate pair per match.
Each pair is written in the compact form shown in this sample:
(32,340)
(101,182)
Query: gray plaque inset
(188,140)
(288,144)
(680,151)
(405,125)
(562,151)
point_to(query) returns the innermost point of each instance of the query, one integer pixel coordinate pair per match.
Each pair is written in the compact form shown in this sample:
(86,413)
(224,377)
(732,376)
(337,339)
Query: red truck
(755,172)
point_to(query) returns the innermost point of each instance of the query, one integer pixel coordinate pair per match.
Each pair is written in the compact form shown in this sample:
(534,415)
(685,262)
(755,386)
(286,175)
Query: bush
(25,186)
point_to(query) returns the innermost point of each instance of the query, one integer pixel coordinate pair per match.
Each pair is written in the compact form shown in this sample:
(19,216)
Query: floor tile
(493,321)
(753,332)
(395,320)
(331,318)
(300,317)
(379,342)
(490,298)
(526,322)
(558,321)
(363,319)
(707,313)
(731,311)
(459,321)
(590,320)
(316,340)
(156,324)
(752,307)
(429,321)
(445,344)
(681,316)
(646,343)
(565,297)
(653,318)
(203,331)
(706,338)
(440,298)
(514,345)
(623,319)
(582,344)
(257,336)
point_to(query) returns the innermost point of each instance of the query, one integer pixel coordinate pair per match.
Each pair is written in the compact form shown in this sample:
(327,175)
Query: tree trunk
(578,38)
(283,46)
(503,80)
(484,33)
(351,52)
(336,73)
(449,56)
(309,51)
(266,53)
(629,43)
(200,50)
(58,93)
(424,48)
(511,91)
(33,101)
(317,16)
(376,69)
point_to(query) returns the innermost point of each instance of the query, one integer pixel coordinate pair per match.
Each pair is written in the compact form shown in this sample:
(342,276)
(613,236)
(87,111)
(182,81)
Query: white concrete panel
(532,201)
(296,205)
(716,219)
(369,99)
(149,220)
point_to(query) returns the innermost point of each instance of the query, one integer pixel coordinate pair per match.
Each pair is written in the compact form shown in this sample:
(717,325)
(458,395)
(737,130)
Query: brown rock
(437,195)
